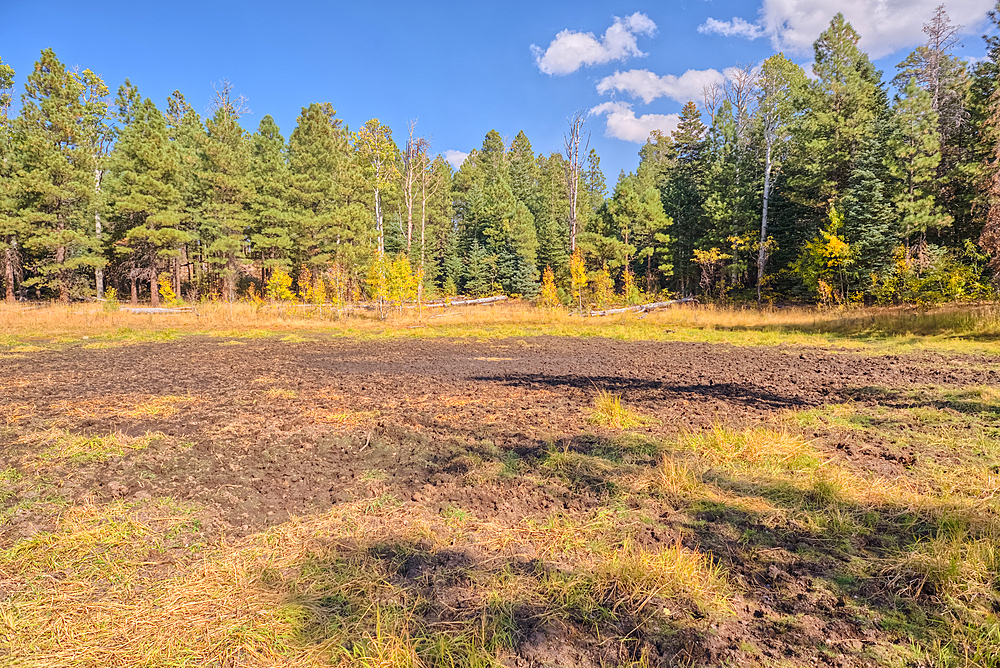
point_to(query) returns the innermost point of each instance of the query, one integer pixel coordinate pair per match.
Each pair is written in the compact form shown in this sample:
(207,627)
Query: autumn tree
(378,155)
(780,81)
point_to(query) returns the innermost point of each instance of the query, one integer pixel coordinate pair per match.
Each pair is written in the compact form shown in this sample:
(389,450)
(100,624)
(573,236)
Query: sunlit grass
(878,330)
(609,411)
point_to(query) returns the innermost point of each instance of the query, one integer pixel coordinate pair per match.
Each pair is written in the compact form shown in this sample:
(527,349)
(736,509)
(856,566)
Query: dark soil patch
(265,430)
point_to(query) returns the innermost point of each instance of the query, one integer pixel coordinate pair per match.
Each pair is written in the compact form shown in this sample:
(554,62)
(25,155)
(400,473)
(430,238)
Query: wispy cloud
(885,26)
(622,122)
(736,28)
(650,86)
(571,50)
(455,158)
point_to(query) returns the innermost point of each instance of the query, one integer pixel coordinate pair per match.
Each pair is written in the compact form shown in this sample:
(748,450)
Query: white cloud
(736,28)
(623,124)
(885,26)
(455,158)
(570,50)
(649,86)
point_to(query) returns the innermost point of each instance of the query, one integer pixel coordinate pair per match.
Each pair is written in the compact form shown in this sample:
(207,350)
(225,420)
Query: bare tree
(430,183)
(776,83)
(942,37)
(741,90)
(574,167)
(223,99)
(712,96)
(411,166)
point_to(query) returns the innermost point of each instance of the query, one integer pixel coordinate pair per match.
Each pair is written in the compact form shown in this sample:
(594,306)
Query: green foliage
(929,274)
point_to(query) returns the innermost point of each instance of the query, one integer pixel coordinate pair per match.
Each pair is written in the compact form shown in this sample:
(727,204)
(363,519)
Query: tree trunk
(135,290)
(229,280)
(378,222)
(9,259)
(762,253)
(423,227)
(98,271)
(154,291)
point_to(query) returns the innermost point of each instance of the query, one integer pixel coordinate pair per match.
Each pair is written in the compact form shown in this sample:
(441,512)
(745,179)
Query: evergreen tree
(11,229)
(680,188)
(145,201)
(271,222)
(524,172)
(227,189)
(917,150)
(187,134)
(841,103)
(56,178)
(327,192)
(869,222)
(552,213)
(504,226)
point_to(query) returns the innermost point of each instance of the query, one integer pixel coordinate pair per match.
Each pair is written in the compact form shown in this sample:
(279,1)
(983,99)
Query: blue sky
(461,68)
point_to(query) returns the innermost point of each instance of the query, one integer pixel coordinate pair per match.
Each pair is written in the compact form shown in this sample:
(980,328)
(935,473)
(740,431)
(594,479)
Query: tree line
(837,187)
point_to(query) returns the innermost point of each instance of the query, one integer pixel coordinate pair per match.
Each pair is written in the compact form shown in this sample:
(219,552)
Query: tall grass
(946,326)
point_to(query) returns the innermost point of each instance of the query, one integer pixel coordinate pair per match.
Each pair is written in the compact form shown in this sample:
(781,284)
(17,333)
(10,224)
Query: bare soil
(260,430)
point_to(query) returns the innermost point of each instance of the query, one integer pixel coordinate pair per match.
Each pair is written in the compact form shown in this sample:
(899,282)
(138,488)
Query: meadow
(499,485)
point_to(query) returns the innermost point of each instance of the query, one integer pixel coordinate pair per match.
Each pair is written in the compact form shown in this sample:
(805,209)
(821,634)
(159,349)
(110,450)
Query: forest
(841,185)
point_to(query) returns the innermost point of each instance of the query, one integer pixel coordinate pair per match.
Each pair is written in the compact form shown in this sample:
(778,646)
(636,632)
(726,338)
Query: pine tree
(11,229)
(56,178)
(227,189)
(681,194)
(502,224)
(524,172)
(842,103)
(917,149)
(552,213)
(327,192)
(145,201)
(271,222)
(187,134)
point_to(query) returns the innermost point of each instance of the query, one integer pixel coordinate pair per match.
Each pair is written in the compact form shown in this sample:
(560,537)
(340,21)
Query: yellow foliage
(279,286)
(549,295)
(578,274)
(167,292)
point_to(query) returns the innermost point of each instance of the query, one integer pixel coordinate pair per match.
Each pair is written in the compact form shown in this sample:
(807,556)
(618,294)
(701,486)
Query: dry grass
(95,589)
(57,444)
(967,328)
(609,411)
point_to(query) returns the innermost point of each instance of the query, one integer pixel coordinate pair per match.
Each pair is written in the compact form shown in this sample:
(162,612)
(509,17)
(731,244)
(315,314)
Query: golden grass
(959,328)
(90,593)
(753,448)
(55,445)
(609,411)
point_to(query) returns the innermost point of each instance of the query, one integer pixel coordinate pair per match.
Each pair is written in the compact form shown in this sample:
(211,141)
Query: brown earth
(260,430)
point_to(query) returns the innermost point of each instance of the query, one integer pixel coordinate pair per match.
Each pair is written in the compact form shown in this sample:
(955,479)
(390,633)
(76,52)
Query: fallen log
(468,302)
(645,308)
(147,309)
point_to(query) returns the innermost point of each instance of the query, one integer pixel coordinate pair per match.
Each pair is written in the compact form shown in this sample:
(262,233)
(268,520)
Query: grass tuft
(609,411)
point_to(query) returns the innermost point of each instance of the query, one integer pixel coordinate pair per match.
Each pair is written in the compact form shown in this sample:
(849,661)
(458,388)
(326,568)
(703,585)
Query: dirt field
(463,452)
